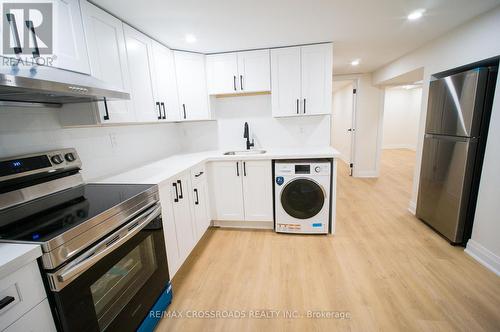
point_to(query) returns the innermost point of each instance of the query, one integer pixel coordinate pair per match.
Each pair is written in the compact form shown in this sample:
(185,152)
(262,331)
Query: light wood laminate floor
(384,267)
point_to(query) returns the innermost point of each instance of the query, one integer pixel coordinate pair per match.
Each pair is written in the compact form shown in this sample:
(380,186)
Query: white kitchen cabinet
(165,84)
(108,61)
(301,81)
(192,85)
(258,190)
(242,190)
(199,191)
(139,60)
(38,319)
(69,45)
(227,189)
(238,72)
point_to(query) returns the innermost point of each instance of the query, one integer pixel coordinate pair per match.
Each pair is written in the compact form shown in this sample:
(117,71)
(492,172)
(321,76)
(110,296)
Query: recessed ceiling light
(190,38)
(355,62)
(416,14)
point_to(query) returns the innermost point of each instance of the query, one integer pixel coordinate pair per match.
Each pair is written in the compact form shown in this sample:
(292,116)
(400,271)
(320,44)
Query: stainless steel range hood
(49,86)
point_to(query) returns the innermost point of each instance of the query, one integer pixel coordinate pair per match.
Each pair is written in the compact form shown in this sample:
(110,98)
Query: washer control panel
(318,168)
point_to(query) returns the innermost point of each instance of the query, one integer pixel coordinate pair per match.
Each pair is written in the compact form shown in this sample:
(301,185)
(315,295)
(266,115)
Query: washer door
(302,198)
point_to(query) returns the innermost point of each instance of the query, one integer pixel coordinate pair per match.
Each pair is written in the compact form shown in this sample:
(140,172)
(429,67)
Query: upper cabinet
(192,86)
(238,72)
(108,60)
(69,45)
(302,80)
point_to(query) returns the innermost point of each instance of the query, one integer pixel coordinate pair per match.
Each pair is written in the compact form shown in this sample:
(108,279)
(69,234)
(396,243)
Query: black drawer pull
(6,301)
(199,174)
(197,198)
(180,188)
(176,199)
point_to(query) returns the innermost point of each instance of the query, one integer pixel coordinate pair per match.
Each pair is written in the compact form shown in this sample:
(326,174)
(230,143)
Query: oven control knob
(317,169)
(56,159)
(69,157)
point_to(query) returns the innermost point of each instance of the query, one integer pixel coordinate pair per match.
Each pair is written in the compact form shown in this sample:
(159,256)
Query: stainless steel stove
(104,259)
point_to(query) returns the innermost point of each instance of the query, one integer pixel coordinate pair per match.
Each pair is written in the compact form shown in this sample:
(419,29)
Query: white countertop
(161,170)
(14,256)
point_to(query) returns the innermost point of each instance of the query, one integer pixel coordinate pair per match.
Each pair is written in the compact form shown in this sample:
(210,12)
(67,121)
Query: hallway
(383,268)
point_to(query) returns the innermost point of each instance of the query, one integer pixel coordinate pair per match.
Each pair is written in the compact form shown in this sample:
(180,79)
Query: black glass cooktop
(45,218)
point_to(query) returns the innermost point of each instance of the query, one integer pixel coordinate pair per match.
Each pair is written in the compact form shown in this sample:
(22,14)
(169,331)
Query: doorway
(343,126)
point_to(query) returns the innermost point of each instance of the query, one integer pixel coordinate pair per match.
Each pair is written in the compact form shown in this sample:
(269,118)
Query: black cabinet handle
(304,105)
(159,110)
(180,189)
(184,109)
(241,82)
(237,169)
(297,106)
(198,175)
(31,28)
(106,115)
(6,301)
(176,199)
(164,112)
(244,168)
(11,18)
(197,198)
(234,82)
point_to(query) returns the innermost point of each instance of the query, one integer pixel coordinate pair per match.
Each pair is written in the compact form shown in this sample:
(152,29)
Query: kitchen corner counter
(13,256)
(161,170)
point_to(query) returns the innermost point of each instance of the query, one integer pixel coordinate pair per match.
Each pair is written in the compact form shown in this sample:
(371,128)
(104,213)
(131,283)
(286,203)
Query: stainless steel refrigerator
(457,122)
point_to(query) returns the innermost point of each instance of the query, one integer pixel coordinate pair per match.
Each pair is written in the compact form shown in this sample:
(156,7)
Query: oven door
(113,285)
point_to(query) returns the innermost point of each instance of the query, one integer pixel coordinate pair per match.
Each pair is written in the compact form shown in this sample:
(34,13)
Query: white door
(254,71)
(169,227)
(222,73)
(317,62)
(285,81)
(227,190)
(258,190)
(139,56)
(343,119)
(165,82)
(69,45)
(201,211)
(192,85)
(182,215)
(108,60)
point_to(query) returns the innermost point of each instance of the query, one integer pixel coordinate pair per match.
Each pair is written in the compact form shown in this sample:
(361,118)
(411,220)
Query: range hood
(47,86)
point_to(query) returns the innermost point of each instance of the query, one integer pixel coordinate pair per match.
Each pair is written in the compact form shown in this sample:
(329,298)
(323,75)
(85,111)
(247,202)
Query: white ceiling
(375,31)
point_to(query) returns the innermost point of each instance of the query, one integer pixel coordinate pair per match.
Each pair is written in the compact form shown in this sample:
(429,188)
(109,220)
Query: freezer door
(455,104)
(445,180)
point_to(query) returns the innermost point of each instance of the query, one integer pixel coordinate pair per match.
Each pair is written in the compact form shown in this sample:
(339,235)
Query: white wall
(231,113)
(103,150)
(473,41)
(342,120)
(401,117)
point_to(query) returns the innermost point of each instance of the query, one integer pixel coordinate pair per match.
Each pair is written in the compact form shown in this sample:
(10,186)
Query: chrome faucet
(247,136)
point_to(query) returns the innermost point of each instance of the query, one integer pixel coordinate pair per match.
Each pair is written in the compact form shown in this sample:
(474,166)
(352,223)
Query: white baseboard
(412,207)
(244,224)
(365,174)
(483,256)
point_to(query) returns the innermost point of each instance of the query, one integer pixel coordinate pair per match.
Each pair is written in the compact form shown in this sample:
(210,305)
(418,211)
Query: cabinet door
(192,85)
(254,71)
(285,81)
(165,82)
(258,190)
(169,227)
(227,190)
(201,214)
(108,59)
(69,45)
(316,79)
(222,73)
(139,56)
(182,216)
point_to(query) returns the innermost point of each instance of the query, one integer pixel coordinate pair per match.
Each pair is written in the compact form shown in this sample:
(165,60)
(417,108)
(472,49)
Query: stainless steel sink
(244,152)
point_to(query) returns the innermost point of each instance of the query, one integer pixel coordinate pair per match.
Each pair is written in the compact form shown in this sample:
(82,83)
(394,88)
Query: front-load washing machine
(302,196)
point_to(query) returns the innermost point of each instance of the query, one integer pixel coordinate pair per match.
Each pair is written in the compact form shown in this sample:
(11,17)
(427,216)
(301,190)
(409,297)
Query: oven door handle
(108,245)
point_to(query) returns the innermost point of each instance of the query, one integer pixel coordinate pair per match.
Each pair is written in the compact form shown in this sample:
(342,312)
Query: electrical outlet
(113,140)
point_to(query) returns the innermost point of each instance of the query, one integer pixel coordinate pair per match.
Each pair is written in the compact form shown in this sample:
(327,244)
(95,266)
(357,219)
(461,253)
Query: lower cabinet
(242,190)
(185,215)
